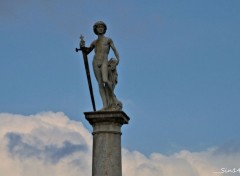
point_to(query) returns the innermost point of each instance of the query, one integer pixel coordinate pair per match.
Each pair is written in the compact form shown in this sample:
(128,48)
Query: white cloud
(43,144)
(52,144)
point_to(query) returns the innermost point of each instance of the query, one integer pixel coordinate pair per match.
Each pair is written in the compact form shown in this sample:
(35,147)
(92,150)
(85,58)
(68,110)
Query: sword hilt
(81,44)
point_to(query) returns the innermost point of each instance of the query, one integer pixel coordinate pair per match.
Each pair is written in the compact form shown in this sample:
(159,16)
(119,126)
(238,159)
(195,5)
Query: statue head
(99,23)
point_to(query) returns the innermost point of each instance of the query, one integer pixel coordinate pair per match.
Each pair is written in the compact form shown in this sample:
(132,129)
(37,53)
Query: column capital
(119,117)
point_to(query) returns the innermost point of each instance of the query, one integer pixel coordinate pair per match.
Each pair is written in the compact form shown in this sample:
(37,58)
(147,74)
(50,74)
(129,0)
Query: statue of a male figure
(105,70)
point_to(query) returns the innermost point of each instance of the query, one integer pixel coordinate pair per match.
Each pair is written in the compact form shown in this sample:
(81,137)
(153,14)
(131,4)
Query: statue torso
(102,47)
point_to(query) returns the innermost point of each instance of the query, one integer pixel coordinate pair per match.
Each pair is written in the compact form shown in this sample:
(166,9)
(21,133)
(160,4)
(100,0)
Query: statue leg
(103,94)
(98,75)
(104,70)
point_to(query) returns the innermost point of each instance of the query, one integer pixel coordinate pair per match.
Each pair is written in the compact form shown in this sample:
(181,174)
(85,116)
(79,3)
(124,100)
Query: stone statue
(105,70)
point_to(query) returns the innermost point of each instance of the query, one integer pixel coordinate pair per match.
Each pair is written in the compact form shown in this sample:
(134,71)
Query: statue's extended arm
(84,49)
(114,50)
(87,50)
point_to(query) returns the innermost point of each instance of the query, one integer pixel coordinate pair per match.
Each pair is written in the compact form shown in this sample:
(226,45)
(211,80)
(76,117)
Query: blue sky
(179,77)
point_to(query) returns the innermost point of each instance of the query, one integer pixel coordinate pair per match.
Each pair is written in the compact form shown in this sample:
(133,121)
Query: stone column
(106,158)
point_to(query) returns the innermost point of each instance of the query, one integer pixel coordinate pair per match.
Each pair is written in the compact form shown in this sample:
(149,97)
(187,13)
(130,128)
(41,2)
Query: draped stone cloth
(113,103)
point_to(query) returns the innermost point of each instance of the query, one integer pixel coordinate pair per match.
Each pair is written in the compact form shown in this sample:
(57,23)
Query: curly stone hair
(99,23)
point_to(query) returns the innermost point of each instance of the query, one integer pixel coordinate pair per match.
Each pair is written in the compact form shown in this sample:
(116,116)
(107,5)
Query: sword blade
(89,79)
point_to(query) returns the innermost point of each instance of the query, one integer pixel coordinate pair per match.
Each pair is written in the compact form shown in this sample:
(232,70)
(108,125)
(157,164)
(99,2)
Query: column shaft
(107,160)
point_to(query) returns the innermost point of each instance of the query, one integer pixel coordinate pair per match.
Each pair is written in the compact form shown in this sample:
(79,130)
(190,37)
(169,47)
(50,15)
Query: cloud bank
(52,144)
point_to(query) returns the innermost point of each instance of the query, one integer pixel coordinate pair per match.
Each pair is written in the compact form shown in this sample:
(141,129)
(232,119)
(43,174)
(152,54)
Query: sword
(82,46)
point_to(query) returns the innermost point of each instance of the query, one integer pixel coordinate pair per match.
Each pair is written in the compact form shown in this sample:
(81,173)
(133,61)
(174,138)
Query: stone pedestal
(107,159)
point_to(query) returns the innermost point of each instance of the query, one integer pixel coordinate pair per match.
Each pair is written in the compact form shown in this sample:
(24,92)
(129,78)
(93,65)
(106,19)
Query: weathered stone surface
(107,159)
(105,69)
